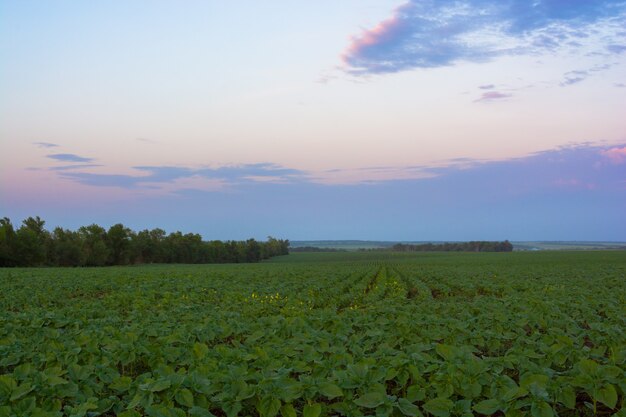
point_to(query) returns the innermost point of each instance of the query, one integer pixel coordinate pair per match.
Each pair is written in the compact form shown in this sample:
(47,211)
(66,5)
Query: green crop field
(351,334)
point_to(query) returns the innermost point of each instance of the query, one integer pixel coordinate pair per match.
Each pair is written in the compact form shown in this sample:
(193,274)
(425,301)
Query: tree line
(315,249)
(32,245)
(473,246)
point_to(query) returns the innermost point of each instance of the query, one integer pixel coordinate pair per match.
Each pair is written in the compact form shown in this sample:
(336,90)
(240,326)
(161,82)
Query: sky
(382,120)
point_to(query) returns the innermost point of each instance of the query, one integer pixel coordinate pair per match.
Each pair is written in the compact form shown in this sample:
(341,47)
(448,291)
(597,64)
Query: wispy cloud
(45,145)
(486,87)
(69,157)
(163,177)
(582,166)
(428,33)
(616,155)
(73,167)
(576,76)
(372,175)
(616,49)
(492,96)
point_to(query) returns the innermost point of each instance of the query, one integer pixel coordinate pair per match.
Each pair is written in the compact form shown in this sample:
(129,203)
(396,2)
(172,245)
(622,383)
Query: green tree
(94,249)
(67,247)
(118,243)
(33,245)
(253,251)
(31,242)
(7,243)
(142,247)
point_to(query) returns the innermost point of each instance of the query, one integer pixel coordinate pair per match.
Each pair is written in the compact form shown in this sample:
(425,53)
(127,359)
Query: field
(353,334)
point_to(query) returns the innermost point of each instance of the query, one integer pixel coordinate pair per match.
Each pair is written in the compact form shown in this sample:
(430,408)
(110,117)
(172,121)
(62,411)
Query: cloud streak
(492,96)
(430,33)
(46,145)
(574,77)
(577,76)
(74,167)
(156,177)
(69,157)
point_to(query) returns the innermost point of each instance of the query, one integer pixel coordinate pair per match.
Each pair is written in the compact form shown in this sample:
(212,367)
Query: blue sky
(414,120)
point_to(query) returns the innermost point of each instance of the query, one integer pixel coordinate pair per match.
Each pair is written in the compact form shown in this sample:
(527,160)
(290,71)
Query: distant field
(320,334)
(518,246)
(568,245)
(342,244)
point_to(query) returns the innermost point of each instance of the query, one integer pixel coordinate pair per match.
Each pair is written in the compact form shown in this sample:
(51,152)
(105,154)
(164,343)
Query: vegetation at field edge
(32,245)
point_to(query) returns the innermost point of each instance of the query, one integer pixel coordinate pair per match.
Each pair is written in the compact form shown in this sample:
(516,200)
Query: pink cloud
(616,155)
(385,32)
(493,95)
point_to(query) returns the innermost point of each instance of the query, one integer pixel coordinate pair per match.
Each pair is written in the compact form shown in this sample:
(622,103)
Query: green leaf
(268,407)
(200,412)
(415,393)
(312,410)
(588,367)
(607,395)
(129,413)
(78,373)
(620,413)
(330,390)
(516,413)
(241,390)
(538,380)
(184,397)
(408,408)
(160,410)
(20,391)
(514,393)
(541,409)
(439,407)
(55,380)
(53,371)
(287,410)
(82,409)
(567,397)
(487,407)
(232,408)
(200,350)
(135,401)
(121,384)
(24,407)
(159,385)
(445,351)
(7,385)
(371,399)
(289,391)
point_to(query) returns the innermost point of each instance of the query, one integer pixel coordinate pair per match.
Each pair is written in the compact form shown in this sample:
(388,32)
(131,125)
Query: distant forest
(314,249)
(474,246)
(32,245)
